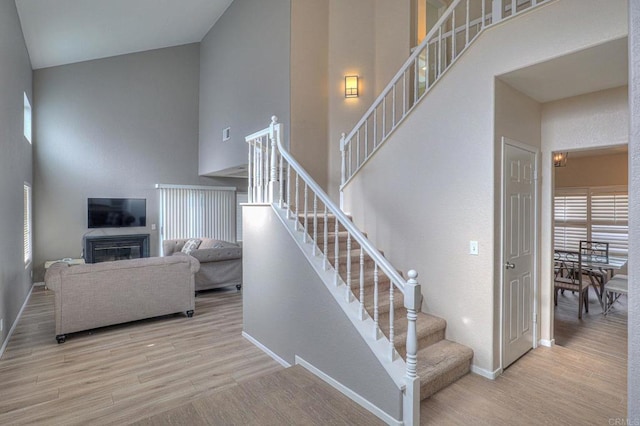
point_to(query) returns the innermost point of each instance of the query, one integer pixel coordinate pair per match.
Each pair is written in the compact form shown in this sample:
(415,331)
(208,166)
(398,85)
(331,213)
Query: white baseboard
(491,375)
(358,399)
(266,350)
(547,343)
(15,323)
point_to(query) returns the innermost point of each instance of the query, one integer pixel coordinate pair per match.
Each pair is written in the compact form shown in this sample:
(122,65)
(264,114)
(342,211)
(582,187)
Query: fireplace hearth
(115,247)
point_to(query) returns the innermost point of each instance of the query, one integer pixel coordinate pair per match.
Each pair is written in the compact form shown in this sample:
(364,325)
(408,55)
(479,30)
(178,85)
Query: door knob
(510,265)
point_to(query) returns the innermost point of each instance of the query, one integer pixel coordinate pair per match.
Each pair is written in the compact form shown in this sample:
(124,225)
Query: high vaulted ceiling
(59,32)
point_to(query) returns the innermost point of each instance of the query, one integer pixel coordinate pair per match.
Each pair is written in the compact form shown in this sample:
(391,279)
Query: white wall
(244,79)
(444,158)
(15,165)
(309,75)
(112,127)
(633,377)
(288,309)
(366,38)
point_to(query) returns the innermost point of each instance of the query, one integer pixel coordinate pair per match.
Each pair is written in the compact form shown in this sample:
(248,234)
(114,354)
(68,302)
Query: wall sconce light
(560,159)
(351,86)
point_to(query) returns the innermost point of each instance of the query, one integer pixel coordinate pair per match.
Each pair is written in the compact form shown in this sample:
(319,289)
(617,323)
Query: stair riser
(444,379)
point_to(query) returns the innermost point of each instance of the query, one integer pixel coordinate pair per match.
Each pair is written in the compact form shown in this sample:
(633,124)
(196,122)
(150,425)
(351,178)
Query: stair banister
(270,138)
(373,252)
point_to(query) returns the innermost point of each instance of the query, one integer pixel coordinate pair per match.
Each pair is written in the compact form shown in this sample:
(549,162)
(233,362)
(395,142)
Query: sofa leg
(189,314)
(238,286)
(61,338)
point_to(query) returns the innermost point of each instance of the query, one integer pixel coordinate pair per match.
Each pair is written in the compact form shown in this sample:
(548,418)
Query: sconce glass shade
(560,159)
(351,86)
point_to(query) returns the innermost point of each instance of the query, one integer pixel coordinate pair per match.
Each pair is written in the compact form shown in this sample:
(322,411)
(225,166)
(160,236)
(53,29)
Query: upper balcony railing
(458,27)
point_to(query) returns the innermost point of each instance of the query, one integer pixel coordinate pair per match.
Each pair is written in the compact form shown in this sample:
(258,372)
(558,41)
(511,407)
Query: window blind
(27,225)
(197,212)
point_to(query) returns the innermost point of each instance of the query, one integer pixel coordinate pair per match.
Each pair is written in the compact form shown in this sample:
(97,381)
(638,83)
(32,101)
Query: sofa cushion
(191,245)
(208,243)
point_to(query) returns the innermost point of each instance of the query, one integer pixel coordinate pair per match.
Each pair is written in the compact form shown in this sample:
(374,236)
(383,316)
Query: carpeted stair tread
(441,364)
(383,298)
(429,329)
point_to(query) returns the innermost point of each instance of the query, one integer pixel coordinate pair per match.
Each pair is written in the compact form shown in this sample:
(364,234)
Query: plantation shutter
(610,219)
(570,219)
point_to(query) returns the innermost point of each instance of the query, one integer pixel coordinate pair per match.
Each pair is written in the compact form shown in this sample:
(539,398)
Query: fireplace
(115,247)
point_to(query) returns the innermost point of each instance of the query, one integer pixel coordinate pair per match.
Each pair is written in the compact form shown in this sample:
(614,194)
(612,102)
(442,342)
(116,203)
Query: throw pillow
(190,245)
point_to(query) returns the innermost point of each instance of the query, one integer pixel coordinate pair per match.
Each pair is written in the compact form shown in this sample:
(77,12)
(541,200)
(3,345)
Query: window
(597,214)
(27,224)
(27,118)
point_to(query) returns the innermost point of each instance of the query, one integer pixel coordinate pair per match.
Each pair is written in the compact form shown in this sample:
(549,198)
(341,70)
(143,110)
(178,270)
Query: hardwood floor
(582,380)
(176,370)
(121,374)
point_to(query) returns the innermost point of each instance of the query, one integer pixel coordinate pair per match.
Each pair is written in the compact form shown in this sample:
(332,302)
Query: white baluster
(337,251)
(362,311)
(453,35)
(265,171)
(411,401)
(315,223)
(297,216)
(357,148)
(306,212)
(384,117)
(343,169)
(281,190)
(376,314)
(366,138)
(416,78)
(392,348)
(348,260)
(249,178)
(289,209)
(393,108)
(466,31)
(273,170)
(326,239)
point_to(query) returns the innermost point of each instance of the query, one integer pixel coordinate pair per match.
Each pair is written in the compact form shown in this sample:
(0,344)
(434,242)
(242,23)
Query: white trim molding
(547,343)
(364,403)
(491,375)
(15,323)
(266,350)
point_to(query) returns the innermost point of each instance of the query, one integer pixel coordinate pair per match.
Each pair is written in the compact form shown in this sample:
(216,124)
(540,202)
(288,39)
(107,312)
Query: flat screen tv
(116,212)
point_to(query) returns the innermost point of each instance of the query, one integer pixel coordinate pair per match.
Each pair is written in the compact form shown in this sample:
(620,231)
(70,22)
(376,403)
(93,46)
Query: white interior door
(519,248)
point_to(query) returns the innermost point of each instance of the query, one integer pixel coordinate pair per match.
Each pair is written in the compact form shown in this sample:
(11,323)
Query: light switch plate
(473,248)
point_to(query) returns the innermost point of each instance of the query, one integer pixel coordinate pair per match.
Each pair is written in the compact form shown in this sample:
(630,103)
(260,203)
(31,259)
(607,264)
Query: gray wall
(112,128)
(633,377)
(244,79)
(15,164)
(288,309)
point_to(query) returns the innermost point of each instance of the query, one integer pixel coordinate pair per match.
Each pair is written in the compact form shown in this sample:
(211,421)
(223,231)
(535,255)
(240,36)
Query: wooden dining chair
(568,276)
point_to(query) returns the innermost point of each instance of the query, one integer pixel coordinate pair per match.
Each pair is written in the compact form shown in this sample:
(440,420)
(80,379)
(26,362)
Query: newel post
(273,161)
(411,398)
(343,169)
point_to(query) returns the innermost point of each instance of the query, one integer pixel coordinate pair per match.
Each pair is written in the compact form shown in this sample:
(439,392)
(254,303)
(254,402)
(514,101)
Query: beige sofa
(220,262)
(101,294)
